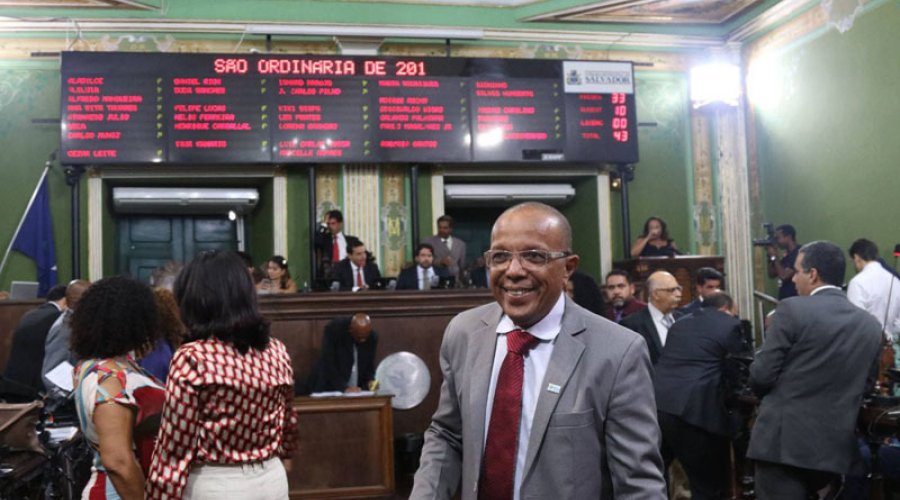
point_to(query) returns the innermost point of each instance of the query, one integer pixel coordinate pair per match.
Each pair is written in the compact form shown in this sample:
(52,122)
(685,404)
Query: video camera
(769,240)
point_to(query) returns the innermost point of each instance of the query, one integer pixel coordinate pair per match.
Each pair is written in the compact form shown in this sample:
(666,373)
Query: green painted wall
(582,215)
(30,90)
(828,148)
(663,180)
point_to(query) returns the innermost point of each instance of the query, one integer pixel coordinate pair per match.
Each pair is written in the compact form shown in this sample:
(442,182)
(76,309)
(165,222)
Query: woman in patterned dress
(118,402)
(228,419)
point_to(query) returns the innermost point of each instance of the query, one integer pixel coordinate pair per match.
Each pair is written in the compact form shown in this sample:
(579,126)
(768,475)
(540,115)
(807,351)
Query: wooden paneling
(345,448)
(412,321)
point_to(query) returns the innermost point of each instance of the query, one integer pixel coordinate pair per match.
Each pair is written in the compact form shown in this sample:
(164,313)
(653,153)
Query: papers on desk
(61,434)
(61,376)
(339,394)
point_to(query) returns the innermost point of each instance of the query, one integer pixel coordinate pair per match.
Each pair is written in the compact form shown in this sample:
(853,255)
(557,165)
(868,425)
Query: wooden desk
(345,448)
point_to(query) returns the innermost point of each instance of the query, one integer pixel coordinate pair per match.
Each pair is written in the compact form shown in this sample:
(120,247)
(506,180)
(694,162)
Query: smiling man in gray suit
(541,398)
(819,357)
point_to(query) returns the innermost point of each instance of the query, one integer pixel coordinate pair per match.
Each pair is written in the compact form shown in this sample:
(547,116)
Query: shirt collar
(545,329)
(823,287)
(655,313)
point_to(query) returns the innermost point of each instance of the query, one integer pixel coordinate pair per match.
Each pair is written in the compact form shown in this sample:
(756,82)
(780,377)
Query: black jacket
(409,277)
(343,273)
(336,360)
(27,352)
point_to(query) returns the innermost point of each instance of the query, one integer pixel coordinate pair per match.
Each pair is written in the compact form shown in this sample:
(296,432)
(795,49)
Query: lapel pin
(553,388)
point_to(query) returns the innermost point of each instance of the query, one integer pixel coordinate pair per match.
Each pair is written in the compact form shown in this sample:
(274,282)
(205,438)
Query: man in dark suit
(539,396)
(654,321)
(27,352)
(347,362)
(819,357)
(331,244)
(449,251)
(689,381)
(620,300)
(423,275)
(358,271)
(707,282)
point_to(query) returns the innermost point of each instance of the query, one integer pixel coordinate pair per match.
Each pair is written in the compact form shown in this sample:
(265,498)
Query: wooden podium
(344,449)
(683,267)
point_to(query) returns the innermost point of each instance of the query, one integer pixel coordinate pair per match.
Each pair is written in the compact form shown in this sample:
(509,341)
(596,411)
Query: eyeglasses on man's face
(528,258)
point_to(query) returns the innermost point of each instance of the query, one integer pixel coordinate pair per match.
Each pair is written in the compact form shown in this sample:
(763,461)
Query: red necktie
(335,251)
(359,280)
(501,448)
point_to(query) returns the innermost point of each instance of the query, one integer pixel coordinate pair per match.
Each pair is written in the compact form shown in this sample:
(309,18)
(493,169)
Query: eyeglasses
(671,290)
(528,258)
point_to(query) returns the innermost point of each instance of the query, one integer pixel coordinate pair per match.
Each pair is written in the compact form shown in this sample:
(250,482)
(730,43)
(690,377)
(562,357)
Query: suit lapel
(651,327)
(566,353)
(483,344)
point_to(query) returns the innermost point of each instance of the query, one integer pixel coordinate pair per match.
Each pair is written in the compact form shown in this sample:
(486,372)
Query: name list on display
(123,108)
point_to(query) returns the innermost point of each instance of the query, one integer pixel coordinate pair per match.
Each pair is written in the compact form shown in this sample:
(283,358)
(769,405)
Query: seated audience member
(227,416)
(689,381)
(654,321)
(480,274)
(875,287)
(707,282)
(357,271)
(423,275)
(584,291)
(254,271)
(27,350)
(654,241)
(620,299)
(347,361)
(118,402)
(278,277)
(56,348)
(172,334)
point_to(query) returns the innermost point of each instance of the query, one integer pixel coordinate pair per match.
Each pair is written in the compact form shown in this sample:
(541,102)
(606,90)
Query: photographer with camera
(785,238)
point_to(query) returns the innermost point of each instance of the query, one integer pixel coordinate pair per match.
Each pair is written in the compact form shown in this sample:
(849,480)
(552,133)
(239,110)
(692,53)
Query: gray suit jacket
(596,438)
(457,254)
(820,352)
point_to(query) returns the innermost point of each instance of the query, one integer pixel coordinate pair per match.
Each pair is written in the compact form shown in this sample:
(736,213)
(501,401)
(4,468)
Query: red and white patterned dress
(222,408)
(140,391)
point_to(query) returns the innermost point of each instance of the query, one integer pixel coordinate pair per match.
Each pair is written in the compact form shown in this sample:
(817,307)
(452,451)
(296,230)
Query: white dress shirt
(871,289)
(536,362)
(342,245)
(425,274)
(662,328)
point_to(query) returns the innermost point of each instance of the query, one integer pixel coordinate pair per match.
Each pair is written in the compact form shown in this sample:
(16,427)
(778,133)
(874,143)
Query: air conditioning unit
(186,201)
(507,194)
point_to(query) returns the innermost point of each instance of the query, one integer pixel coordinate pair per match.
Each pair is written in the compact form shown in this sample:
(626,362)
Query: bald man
(540,398)
(654,321)
(347,362)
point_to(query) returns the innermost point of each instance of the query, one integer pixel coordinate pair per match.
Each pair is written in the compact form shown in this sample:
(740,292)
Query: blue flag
(35,239)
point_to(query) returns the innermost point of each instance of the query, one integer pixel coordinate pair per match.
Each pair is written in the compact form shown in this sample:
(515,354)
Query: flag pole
(22,219)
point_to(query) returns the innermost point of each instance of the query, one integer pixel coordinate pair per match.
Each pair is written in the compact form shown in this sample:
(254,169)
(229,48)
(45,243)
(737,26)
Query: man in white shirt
(875,288)
(358,271)
(423,275)
(332,244)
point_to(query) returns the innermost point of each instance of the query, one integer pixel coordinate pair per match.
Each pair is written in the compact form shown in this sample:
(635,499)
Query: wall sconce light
(715,83)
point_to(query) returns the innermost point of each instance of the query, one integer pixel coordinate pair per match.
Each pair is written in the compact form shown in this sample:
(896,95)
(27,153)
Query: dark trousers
(784,482)
(703,455)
